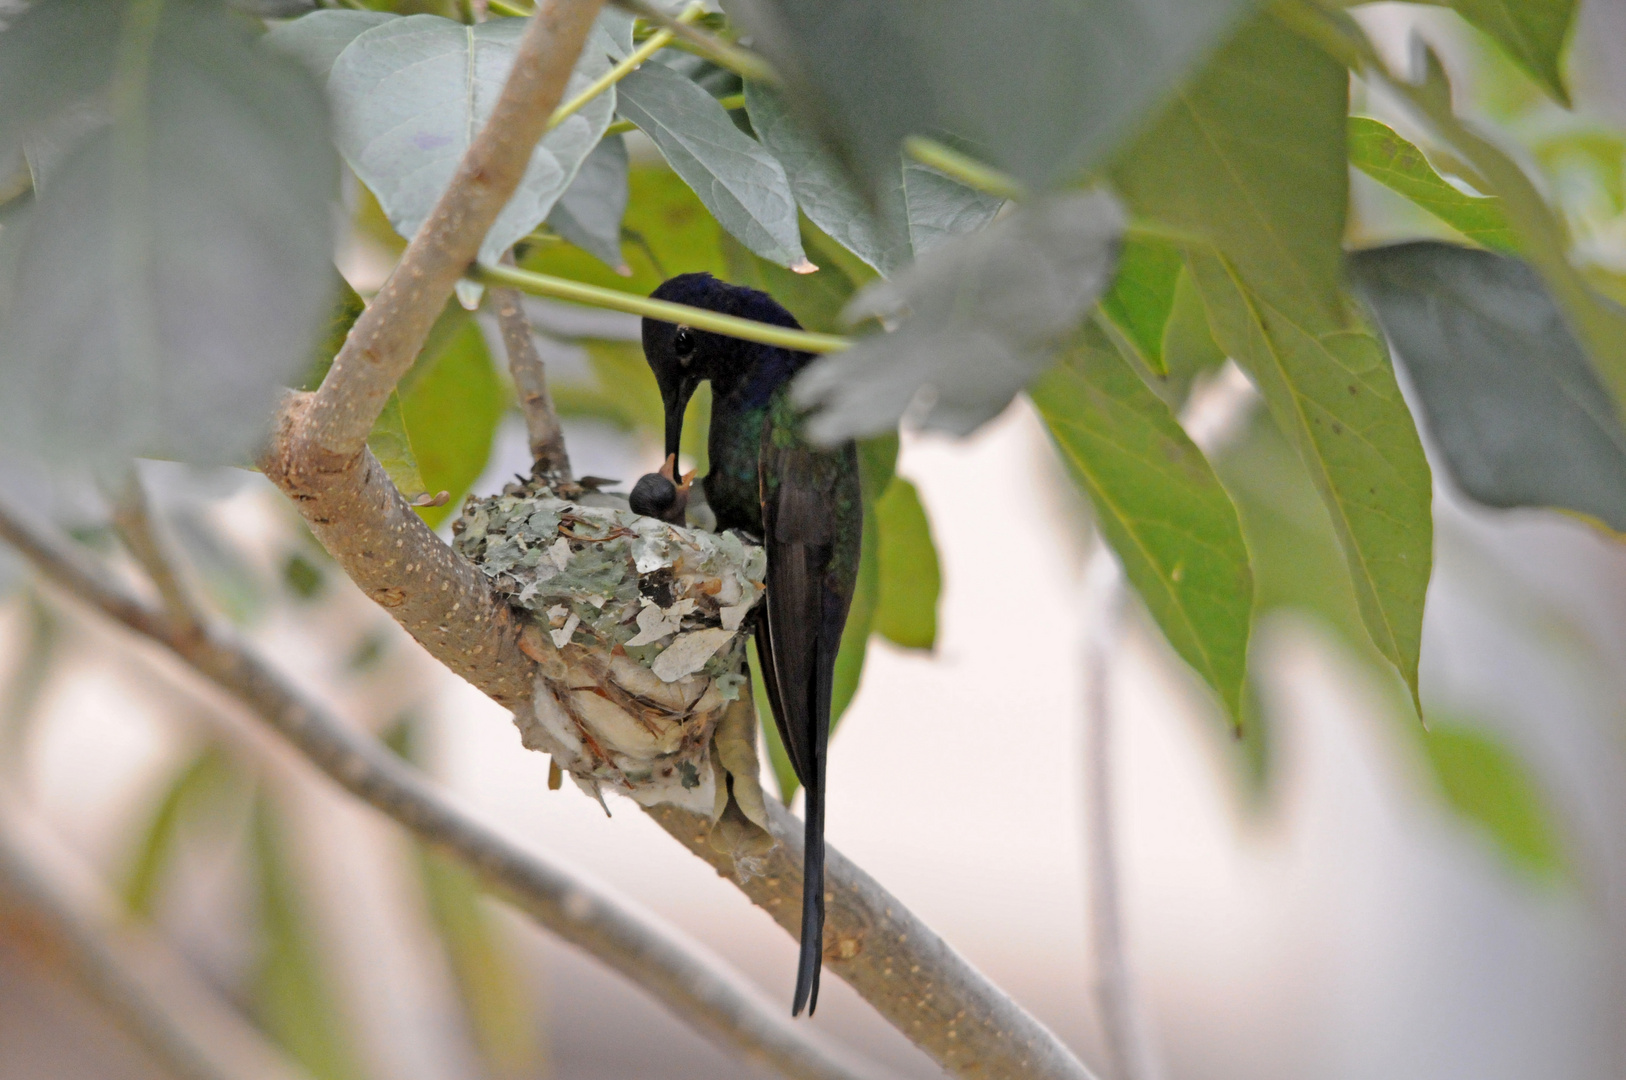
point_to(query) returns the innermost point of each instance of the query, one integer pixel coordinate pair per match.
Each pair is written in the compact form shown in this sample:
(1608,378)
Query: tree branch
(130,974)
(547,438)
(697,989)
(905,971)
(387,337)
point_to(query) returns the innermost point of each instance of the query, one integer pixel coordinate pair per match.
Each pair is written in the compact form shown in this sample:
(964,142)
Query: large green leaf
(1378,151)
(1252,157)
(450,415)
(293,1000)
(1532,32)
(411,93)
(1335,396)
(910,578)
(589,212)
(1511,401)
(1159,505)
(1484,781)
(1142,297)
(1044,90)
(741,183)
(156,293)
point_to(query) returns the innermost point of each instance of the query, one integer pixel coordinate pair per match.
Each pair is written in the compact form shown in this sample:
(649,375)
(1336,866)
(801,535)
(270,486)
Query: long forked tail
(812,959)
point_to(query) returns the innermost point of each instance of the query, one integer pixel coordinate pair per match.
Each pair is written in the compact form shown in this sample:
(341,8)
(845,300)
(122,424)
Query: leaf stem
(579,292)
(503,8)
(635,59)
(742,62)
(964,168)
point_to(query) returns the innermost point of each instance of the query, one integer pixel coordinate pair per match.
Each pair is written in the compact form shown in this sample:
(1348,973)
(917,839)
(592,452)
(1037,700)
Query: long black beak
(676,406)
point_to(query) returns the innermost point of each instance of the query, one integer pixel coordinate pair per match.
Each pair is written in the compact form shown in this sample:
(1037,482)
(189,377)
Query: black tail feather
(812,958)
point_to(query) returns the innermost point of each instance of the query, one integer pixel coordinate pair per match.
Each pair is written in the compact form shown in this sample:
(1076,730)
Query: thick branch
(711,999)
(910,975)
(130,974)
(531,384)
(387,337)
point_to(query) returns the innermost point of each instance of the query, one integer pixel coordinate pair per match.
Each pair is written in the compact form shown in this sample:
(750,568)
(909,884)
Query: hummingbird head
(682,356)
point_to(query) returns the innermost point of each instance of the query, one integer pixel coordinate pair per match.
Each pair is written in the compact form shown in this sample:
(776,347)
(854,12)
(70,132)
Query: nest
(638,628)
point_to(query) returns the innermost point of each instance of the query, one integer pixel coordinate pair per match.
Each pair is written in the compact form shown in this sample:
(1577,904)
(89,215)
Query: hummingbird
(803,501)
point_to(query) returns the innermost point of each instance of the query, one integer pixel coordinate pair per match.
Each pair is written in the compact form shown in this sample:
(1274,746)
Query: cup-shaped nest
(638,629)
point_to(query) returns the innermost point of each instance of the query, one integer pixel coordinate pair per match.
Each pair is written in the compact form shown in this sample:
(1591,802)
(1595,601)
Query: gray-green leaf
(159,290)
(916,209)
(317,39)
(739,181)
(1159,505)
(589,212)
(412,93)
(1531,31)
(980,317)
(1334,395)
(1511,400)
(1381,153)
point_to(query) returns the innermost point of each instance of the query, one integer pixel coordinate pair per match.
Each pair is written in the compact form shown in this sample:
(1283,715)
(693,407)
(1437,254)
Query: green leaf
(195,790)
(1043,90)
(784,773)
(911,579)
(916,209)
(1159,505)
(1142,297)
(293,1001)
(392,446)
(1380,153)
(978,317)
(450,416)
(1484,781)
(1334,395)
(1511,401)
(589,212)
(1188,344)
(1255,163)
(157,293)
(1532,32)
(318,38)
(743,185)
(410,94)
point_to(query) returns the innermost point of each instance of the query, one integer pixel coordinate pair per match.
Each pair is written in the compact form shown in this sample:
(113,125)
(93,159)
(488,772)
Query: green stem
(964,168)
(503,8)
(581,293)
(657,41)
(742,62)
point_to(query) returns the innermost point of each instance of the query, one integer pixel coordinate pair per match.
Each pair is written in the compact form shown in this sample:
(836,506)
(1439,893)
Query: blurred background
(1338,894)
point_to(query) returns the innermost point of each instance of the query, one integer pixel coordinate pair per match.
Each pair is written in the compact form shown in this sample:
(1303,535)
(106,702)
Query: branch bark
(711,999)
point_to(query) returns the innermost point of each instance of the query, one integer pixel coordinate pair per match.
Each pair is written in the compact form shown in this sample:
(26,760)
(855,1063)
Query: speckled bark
(877,946)
(441,599)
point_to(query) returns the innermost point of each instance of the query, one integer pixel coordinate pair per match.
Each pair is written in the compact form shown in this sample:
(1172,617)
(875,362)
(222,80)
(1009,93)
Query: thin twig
(634,60)
(694,986)
(388,335)
(132,519)
(547,438)
(126,970)
(742,62)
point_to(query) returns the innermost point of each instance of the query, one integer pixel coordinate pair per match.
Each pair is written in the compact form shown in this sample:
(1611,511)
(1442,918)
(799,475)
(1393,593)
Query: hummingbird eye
(683,344)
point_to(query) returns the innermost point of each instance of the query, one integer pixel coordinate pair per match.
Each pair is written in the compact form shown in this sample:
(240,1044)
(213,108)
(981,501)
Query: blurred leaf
(589,212)
(1511,400)
(784,773)
(450,416)
(985,314)
(157,294)
(1596,157)
(409,95)
(1160,506)
(318,38)
(1484,781)
(917,207)
(346,307)
(1042,90)
(1142,296)
(1257,165)
(36,649)
(1532,32)
(1335,396)
(910,577)
(302,577)
(666,231)
(1188,345)
(392,446)
(1380,153)
(292,999)
(232,582)
(196,790)
(742,184)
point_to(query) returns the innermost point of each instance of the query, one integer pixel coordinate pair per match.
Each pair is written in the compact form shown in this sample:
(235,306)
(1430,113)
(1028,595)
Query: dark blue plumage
(804,502)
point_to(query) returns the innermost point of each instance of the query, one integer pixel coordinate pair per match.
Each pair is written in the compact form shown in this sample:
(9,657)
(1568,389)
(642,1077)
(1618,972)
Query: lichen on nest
(638,628)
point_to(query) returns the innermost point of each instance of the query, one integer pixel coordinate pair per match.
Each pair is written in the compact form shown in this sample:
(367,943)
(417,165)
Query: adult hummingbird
(803,501)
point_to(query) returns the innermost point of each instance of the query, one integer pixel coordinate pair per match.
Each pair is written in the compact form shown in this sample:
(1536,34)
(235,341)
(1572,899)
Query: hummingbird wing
(806,612)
